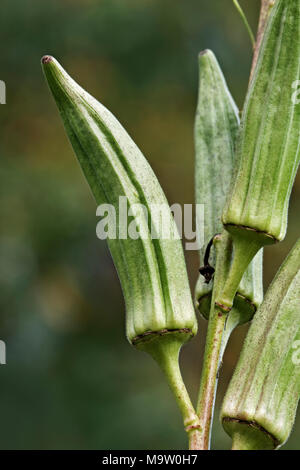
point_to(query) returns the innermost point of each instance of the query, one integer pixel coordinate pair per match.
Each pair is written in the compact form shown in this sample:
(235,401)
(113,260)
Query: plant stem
(228,275)
(244,250)
(213,345)
(265,10)
(245,21)
(166,354)
(170,366)
(209,376)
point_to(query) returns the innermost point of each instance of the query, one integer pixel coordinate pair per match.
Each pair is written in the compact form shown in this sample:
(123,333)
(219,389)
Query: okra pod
(160,315)
(267,147)
(259,408)
(216,129)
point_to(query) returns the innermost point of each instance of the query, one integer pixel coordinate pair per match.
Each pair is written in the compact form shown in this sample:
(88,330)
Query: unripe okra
(152,271)
(267,148)
(160,315)
(216,128)
(260,404)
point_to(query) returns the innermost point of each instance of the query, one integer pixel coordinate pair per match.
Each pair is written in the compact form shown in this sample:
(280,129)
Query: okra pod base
(242,312)
(151,341)
(248,297)
(245,308)
(248,435)
(164,346)
(246,243)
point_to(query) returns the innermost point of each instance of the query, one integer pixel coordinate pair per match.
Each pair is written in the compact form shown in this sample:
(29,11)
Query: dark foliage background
(71,379)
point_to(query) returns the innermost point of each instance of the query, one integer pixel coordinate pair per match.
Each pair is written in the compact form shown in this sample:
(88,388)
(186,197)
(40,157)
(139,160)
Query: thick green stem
(166,354)
(211,364)
(244,250)
(213,345)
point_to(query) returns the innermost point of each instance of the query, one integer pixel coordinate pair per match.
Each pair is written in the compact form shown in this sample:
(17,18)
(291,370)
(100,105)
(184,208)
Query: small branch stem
(190,420)
(245,21)
(244,250)
(166,355)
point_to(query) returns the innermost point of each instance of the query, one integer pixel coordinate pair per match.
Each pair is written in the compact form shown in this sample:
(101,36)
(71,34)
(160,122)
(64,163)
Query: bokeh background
(72,381)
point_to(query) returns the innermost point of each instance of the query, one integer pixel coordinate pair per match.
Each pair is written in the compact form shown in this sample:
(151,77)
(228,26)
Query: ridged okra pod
(160,315)
(216,129)
(267,148)
(259,408)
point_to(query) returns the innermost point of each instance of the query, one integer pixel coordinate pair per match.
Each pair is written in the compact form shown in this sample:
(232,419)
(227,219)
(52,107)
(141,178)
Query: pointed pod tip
(46,59)
(204,52)
(60,83)
(206,55)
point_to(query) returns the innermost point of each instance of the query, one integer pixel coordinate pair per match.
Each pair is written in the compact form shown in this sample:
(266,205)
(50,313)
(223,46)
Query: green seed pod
(268,146)
(260,404)
(152,271)
(216,128)
(160,315)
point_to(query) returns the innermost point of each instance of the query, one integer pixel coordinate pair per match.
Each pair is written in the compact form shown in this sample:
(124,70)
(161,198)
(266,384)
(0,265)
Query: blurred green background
(72,381)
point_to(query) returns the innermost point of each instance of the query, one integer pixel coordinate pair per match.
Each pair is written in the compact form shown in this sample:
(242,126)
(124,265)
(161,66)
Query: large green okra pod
(260,404)
(268,146)
(216,128)
(160,315)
